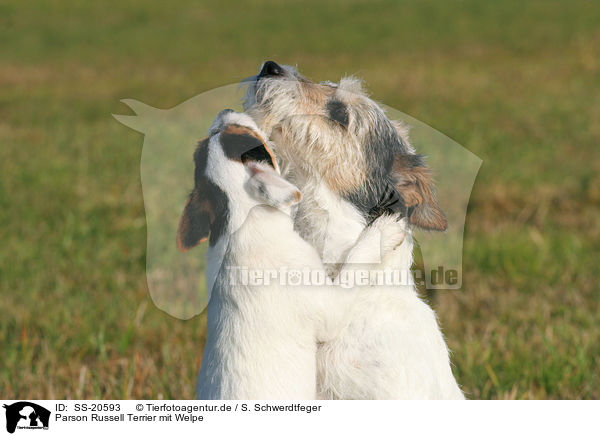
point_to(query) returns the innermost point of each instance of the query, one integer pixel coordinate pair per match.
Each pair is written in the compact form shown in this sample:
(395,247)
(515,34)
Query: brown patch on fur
(342,169)
(316,95)
(415,184)
(236,129)
(345,177)
(194,224)
(314,98)
(198,212)
(297,196)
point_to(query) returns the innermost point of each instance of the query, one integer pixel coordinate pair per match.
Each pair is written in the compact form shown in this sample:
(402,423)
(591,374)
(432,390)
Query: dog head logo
(339,112)
(26,415)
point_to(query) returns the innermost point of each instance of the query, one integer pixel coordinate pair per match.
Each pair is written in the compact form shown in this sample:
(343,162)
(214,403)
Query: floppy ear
(267,185)
(194,224)
(415,185)
(241,143)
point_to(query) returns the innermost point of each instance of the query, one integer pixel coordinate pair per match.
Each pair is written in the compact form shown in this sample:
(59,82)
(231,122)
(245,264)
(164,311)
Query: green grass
(515,82)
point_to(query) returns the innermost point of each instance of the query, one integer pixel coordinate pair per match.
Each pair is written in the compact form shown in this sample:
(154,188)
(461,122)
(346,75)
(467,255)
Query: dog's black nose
(270,68)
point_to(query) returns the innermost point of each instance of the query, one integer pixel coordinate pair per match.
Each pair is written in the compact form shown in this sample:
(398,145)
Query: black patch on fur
(391,203)
(220,204)
(235,144)
(338,112)
(200,159)
(258,154)
(269,69)
(380,147)
(244,148)
(415,160)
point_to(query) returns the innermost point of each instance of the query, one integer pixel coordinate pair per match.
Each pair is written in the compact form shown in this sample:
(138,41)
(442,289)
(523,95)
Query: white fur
(261,341)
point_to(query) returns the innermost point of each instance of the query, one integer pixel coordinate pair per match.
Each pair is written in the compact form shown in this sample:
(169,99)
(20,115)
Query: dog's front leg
(376,241)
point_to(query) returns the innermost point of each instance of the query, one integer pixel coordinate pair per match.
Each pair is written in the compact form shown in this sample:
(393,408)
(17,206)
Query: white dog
(353,164)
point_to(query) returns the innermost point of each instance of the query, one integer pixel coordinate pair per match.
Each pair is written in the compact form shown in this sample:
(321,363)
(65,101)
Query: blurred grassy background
(515,82)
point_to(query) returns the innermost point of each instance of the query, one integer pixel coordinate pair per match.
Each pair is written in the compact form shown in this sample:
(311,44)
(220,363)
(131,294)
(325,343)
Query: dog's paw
(381,237)
(392,232)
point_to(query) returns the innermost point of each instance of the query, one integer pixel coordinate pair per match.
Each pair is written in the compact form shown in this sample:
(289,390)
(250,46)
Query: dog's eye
(338,112)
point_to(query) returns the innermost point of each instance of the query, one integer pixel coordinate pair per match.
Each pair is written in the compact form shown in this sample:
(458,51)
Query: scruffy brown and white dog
(353,164)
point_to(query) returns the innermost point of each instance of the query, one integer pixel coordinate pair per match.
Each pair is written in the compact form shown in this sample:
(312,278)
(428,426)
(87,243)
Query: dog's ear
(241,143)
(414,183)
(194,224)
(267,185)
(197,216)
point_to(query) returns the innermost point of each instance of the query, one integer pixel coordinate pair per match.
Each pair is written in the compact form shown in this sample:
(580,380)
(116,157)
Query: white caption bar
(320,417)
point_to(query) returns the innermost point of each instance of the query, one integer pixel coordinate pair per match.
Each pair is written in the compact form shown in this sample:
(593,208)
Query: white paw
(392,232)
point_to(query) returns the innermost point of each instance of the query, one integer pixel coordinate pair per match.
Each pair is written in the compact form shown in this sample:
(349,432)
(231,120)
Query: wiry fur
(332,164)
(343,161)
